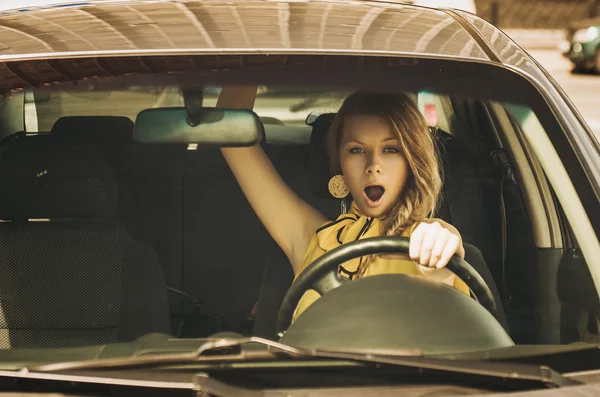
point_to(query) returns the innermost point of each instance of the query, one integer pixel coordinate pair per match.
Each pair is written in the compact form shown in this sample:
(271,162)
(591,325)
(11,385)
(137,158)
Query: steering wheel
(323,276)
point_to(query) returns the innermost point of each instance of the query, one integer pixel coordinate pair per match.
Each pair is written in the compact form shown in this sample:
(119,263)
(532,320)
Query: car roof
(55,29)
(325,26)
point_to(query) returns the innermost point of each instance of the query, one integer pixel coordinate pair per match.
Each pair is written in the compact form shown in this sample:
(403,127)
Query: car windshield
(106,239)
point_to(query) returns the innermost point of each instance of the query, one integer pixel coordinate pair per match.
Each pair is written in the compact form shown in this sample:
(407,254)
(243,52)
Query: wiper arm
(219,351)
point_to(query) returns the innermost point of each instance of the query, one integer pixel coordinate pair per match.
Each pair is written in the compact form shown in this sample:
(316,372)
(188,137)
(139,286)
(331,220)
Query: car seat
(71,274)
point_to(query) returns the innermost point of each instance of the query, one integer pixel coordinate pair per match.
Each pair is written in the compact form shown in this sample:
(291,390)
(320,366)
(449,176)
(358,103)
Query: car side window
(565,287)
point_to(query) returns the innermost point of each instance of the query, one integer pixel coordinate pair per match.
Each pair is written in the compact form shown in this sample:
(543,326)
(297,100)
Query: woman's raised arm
(290,221)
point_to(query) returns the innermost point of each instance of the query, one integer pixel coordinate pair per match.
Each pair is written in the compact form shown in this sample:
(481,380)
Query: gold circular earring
(338,187)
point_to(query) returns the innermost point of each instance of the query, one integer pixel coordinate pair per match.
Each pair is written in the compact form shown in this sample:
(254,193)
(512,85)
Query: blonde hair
(420,198)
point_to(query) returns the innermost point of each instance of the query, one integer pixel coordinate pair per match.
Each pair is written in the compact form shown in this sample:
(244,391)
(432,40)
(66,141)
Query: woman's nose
(374,165)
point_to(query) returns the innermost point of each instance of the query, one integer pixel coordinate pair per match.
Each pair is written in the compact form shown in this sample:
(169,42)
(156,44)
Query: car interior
(125,239)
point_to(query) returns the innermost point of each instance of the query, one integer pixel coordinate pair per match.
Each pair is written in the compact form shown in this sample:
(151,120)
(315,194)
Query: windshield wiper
(229,350)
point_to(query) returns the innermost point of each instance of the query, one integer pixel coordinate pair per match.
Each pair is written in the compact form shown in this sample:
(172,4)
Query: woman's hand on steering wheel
(434,243)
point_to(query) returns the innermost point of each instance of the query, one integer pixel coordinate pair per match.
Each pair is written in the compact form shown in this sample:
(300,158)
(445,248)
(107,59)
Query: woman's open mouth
(373,195)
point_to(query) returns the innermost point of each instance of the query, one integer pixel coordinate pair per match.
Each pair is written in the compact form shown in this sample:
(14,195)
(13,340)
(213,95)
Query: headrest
(43,178)
(318,161)
(94,130)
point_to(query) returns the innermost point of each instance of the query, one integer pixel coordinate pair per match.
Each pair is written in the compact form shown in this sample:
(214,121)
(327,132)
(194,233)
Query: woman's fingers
(449,251)
(438,249)
(432,245)
(416,240)
(432,234)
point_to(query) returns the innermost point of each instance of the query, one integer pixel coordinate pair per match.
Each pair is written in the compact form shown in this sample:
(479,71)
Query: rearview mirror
(212,127)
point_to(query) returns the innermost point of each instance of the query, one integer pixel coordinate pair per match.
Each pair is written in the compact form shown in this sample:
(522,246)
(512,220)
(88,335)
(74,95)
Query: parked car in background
(581,45)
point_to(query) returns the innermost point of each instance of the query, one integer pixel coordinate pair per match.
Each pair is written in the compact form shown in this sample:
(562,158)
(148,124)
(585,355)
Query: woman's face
(372,164)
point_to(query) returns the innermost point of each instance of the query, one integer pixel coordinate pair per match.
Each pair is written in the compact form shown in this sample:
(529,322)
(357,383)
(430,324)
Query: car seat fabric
(45,180)
(113,137)
(110,130)
(318,162)
(219,231)
(71,275)
(150,185)
(225,245)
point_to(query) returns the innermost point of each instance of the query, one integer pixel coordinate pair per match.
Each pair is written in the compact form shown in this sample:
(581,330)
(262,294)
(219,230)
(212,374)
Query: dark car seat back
(149,179)
(71,275)
(112,136)
(226,248)
(108,130)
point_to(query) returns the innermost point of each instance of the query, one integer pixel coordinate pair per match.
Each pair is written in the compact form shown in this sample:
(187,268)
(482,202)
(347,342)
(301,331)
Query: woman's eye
(391,150)
(356,150)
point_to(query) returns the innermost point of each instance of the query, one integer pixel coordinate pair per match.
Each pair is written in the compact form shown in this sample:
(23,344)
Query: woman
(384,163)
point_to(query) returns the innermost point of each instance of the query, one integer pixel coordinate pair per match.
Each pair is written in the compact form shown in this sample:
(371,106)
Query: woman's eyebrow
(347,141)
(353,140)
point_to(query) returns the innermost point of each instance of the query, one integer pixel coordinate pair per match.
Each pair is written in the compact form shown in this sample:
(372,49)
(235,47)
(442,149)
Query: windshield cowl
(217,353)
